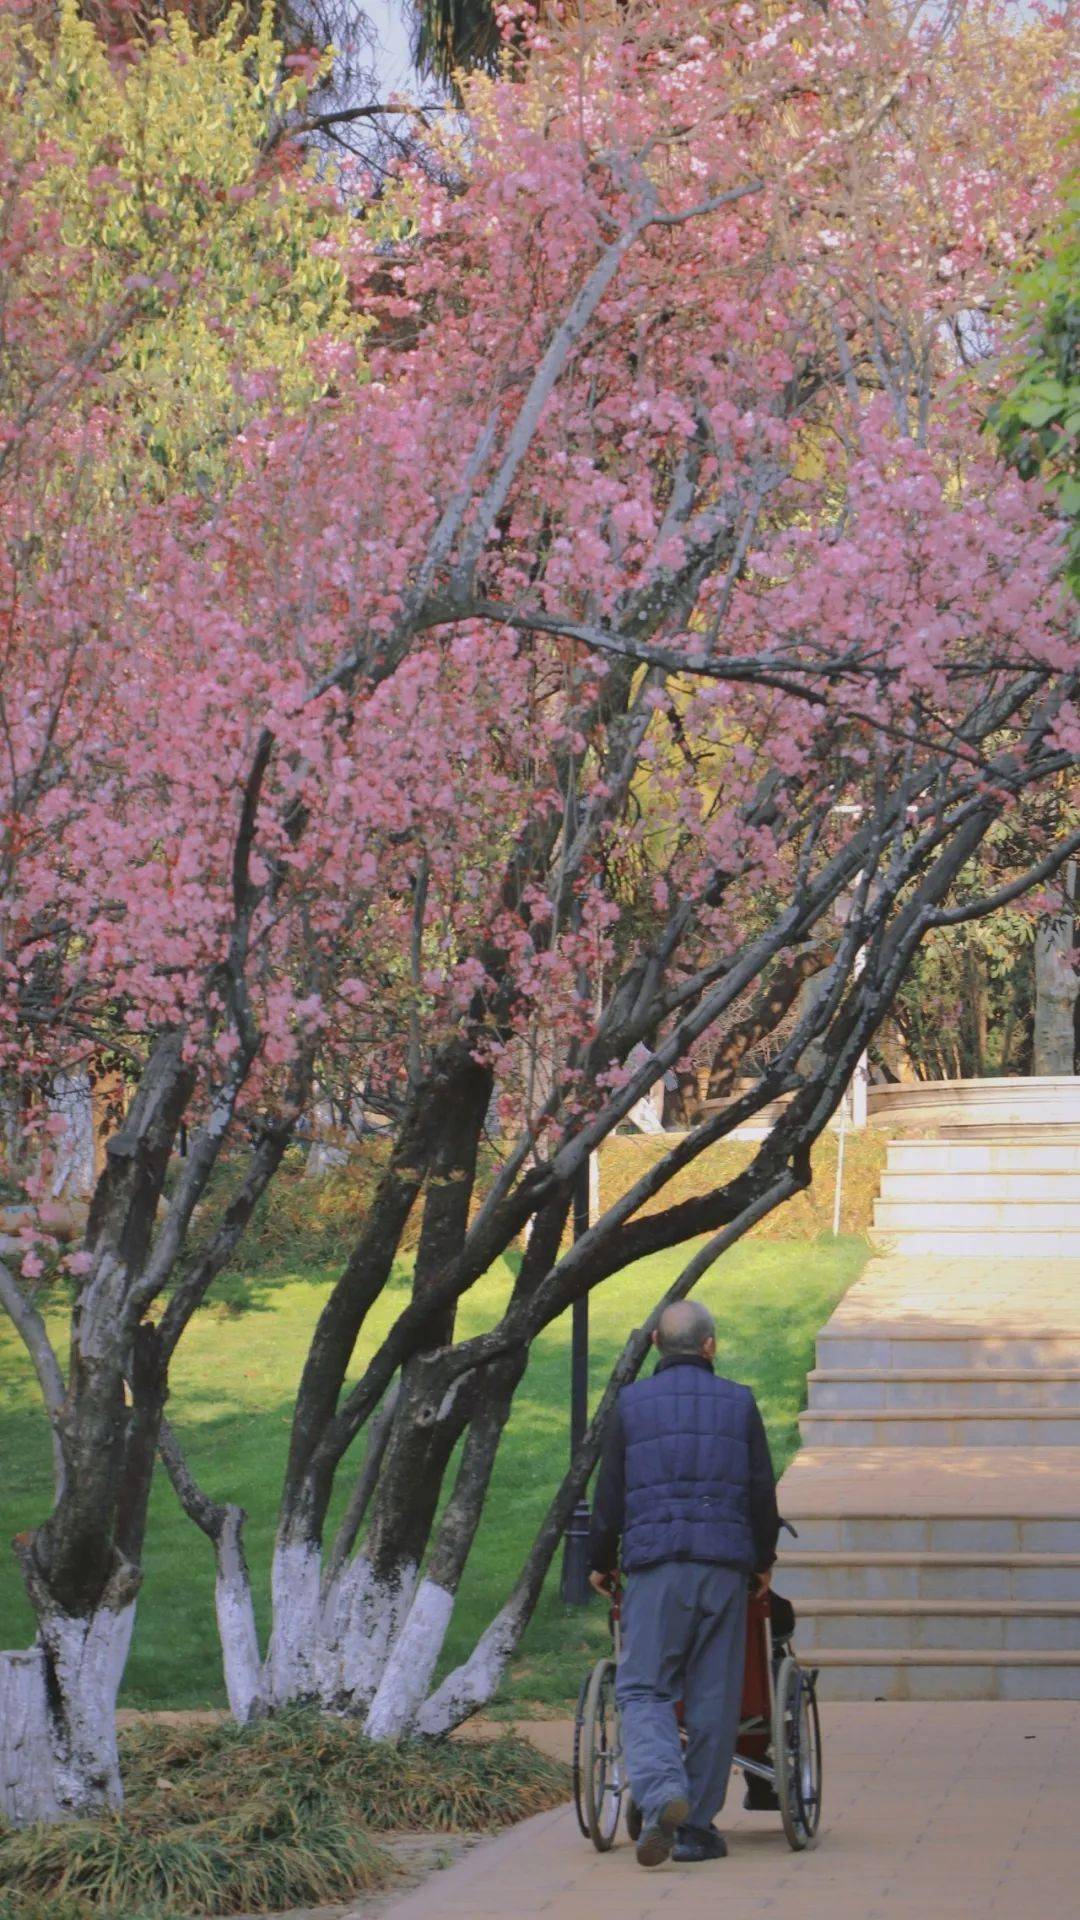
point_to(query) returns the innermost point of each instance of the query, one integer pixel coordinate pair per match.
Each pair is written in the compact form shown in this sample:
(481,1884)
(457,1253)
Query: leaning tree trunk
(410,1664)
(412,1658)
(1056,986)
(334,1623)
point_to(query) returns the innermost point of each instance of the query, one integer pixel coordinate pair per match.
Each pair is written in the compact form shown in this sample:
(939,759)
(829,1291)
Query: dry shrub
(224,1819)
(626,1157)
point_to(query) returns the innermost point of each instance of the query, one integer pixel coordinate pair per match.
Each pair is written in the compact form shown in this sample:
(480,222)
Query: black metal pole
(575,1570)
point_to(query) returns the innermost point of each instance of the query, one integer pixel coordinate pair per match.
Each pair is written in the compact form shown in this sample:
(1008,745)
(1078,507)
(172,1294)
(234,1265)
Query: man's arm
(609,1501)
(764,1517)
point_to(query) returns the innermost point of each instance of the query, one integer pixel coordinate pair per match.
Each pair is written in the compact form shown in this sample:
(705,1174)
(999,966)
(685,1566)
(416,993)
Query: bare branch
(993,902)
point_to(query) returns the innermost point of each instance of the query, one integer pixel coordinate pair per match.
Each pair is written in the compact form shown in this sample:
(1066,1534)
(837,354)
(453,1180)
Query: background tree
(1038,422)
(1038,415)
(452,36)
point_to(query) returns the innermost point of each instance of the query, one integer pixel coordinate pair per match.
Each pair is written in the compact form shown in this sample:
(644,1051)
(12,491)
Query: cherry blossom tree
(643,627)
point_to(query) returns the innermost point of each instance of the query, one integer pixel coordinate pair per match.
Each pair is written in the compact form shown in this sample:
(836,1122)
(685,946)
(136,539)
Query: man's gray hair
(684,1328)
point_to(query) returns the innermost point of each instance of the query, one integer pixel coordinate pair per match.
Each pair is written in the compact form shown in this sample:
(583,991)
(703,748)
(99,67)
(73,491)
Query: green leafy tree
(1038,421)
(454,34)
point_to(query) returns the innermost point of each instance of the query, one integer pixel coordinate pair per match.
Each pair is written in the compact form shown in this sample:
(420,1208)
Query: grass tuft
(223,1820)
(37,1906)
(459,1786)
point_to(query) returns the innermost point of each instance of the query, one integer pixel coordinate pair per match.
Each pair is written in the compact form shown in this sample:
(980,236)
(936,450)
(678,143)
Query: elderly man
(686,1482)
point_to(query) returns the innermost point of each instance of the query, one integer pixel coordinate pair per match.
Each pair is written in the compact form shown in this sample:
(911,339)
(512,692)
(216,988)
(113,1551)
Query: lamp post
(575,1567)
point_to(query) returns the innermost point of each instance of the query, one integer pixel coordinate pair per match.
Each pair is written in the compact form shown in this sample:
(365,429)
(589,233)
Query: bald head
(686,1327)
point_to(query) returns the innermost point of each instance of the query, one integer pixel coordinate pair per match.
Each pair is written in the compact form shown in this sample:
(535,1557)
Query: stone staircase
(937,1495)
(1017,1193)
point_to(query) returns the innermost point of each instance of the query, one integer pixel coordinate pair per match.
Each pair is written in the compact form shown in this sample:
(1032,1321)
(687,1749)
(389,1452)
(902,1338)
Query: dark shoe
(760,1797)
(656,1842)
(699,1843)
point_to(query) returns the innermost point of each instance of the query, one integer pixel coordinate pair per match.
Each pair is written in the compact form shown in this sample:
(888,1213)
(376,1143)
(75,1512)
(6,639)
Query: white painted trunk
(473,1684)
(291,1663)
(326,1152)
(88,1658)
(376,1616)
(58,1756)
(27,1770)
(333,1626)
(329,1645)
(73,1170)
(407,1673)
(236,1623)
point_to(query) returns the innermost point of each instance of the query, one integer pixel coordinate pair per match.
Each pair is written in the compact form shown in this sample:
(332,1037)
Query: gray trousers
(684,1638)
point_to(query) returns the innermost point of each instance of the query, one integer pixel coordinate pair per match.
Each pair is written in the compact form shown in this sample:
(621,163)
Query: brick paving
(932,1809)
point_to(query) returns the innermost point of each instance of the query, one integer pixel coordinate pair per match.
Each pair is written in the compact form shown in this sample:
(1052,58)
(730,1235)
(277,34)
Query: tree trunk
(58,1754)
(975,971)
(235,1612)
(27,1774)
(1056,984)
(75,1169)
(332,1632)
(412,1660)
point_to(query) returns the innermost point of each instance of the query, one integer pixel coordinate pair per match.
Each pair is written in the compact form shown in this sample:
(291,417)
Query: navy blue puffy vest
(687,1469)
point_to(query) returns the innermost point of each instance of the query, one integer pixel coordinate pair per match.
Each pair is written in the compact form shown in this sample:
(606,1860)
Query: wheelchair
(778,1747)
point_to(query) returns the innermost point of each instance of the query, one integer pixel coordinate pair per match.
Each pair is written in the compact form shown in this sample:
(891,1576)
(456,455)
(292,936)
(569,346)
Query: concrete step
(864,1346)
(1021,1387)
(1018,1153)
(892,1532)
(997,1131)
(970,1626)
(901,1187)
(924,1500)
(905,1673)
(803,1576)
(945,1426)
(979,1243)
(927,1215)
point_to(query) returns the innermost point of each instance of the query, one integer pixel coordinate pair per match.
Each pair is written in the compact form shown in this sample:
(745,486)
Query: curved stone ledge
(933,1105)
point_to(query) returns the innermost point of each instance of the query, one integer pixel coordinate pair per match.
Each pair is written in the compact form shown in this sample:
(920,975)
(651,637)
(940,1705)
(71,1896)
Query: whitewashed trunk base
(328,1646)
(474,1683)
(27,1769)
(290,1675)
(236,1622)
(88,1658)
(411,1663)
(378,1612)
(58,1754)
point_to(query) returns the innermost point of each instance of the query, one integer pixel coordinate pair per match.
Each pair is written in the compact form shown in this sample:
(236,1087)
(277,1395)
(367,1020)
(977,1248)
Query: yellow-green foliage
(166,181)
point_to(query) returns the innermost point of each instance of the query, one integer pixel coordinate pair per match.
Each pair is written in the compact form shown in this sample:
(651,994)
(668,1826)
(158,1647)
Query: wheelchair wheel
(579,1785)
(796,1743)
(603,1776)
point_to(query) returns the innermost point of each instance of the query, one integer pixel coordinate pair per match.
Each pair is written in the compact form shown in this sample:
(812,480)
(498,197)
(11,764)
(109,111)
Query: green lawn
(231,1401)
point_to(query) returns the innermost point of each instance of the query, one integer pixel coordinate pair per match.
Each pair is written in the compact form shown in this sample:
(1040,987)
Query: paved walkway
(932,1809)
(949,1295)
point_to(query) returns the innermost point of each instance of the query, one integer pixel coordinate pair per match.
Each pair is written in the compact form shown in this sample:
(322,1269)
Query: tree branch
(32,1330)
